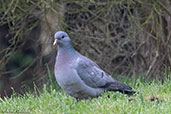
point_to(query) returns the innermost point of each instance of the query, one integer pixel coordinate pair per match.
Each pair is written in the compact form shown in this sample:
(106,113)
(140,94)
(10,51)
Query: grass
(152,98)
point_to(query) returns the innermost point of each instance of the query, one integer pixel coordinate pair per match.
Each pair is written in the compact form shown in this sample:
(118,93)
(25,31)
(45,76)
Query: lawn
(151,98)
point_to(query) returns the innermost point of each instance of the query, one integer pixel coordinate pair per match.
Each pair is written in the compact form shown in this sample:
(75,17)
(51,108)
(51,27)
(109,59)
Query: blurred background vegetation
(125,37)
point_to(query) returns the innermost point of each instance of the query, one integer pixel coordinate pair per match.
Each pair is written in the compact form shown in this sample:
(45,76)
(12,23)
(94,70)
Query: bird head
(62,39)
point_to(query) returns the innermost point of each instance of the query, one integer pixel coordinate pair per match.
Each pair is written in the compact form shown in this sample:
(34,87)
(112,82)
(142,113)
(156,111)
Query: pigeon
(79,76)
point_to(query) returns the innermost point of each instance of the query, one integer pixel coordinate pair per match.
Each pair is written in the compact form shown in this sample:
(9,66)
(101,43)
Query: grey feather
(91,73)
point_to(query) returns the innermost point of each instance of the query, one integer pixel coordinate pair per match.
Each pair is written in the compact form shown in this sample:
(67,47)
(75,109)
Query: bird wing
(91,74)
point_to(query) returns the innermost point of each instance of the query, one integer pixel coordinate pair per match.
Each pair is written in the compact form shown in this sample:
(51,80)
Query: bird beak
(55,42)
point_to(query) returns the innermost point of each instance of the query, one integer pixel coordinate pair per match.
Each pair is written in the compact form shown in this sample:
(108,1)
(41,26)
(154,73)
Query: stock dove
(79,76)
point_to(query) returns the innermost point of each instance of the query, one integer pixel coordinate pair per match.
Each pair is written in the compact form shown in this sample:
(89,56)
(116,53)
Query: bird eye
(62,36)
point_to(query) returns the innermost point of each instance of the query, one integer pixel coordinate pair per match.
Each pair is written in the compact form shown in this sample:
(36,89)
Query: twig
(161,5)
(26,68)
(152,64)
(10,6)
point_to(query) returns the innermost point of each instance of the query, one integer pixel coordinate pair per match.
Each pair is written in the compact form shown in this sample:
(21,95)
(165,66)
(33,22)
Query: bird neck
(66,53)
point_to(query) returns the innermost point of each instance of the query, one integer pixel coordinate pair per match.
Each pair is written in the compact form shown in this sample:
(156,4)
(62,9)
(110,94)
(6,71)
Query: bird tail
(117,86)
